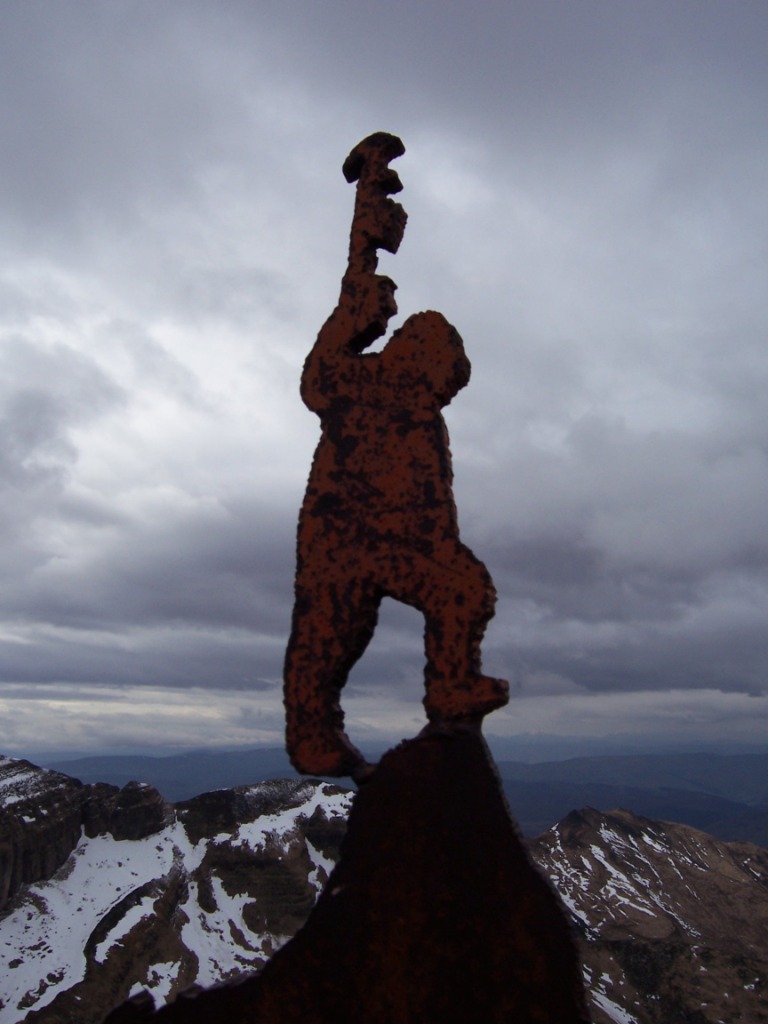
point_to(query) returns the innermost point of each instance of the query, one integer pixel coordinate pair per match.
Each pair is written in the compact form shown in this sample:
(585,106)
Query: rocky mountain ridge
(42,815)
(672,924)
(151,895)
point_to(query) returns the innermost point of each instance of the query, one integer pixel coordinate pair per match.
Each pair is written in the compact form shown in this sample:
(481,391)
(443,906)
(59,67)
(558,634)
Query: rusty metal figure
(378,518)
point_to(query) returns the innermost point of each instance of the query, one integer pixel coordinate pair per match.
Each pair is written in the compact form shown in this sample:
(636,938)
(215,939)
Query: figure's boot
(314,734)
(325,752)
(462,699)
(456,688)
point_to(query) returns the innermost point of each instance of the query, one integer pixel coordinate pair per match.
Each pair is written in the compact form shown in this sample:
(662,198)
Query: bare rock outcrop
(138,811)
(433,913)
(672,923)
(43,814)
(150,895)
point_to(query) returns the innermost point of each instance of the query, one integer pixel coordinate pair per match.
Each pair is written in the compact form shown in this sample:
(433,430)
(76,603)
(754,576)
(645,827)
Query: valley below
(109,890)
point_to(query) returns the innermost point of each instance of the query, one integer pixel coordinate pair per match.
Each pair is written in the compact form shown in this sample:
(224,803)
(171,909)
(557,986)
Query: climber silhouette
(378,518)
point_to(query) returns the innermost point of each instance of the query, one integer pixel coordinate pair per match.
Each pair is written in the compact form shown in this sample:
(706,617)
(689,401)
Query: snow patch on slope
(104,891)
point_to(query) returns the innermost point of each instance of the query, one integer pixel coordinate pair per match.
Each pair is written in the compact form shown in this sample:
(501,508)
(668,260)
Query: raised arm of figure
(367,300)
(334,367)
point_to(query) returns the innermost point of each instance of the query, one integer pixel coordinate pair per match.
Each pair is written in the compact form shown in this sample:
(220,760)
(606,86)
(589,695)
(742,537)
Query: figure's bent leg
(456,618)
(457,597)
(331,629)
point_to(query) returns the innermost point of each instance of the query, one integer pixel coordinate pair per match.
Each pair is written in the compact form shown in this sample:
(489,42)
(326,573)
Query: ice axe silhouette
(378,221)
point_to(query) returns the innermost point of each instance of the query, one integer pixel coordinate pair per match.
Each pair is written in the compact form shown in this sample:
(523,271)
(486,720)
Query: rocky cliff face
(40,823)
(126,892)
(42,815)
(672,925)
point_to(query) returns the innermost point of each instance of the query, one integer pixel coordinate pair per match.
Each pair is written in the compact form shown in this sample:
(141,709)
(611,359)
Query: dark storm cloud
(636,556)
(44,396)
(587,200)
(208,567)
(168,658)
(101,108)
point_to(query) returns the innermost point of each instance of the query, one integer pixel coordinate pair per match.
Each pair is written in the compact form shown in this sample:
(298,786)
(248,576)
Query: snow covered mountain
(216,885)
(672,925)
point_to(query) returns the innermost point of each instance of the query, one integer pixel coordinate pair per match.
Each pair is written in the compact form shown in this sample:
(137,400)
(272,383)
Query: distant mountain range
(182,776)
(727,795)
(105,892)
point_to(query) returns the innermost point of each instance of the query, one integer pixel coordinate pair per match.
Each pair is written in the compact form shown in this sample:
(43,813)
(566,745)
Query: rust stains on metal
(379,518)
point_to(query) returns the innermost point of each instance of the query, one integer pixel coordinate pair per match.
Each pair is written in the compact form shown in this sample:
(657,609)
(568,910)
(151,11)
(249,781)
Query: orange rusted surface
(378,518)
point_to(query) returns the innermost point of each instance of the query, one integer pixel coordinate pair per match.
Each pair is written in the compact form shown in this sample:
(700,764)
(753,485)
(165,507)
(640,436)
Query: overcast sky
(588,203)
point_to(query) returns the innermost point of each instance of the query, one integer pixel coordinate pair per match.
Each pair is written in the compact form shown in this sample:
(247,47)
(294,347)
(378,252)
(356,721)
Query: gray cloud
(45,395)
(587,203)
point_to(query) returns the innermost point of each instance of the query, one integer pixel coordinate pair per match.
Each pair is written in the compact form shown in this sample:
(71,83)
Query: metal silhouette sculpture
(379,518)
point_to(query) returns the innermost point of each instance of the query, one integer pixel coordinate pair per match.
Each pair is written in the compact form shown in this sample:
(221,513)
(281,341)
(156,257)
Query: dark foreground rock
(672,924)
(433,913)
